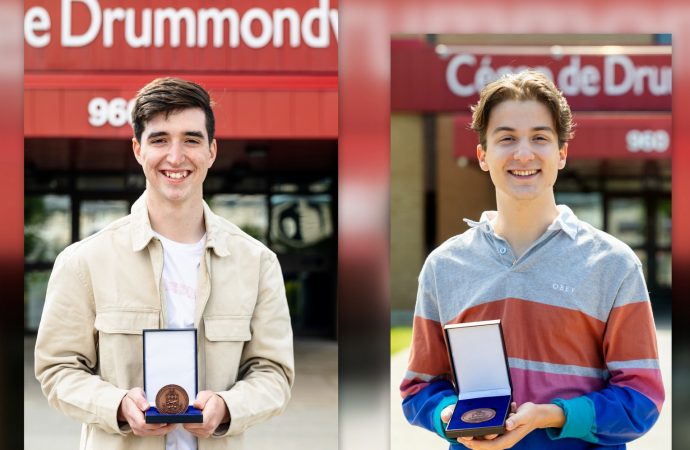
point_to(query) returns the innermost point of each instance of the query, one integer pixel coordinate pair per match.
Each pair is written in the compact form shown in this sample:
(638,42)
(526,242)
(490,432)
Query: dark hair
(168,95)
(526,85)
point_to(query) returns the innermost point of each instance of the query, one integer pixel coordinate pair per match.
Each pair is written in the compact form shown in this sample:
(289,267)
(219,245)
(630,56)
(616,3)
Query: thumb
(202,398)
(139,399)
(515,420)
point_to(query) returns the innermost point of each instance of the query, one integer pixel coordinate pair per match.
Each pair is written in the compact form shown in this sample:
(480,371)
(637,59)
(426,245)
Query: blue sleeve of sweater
(424,408)
(610,417)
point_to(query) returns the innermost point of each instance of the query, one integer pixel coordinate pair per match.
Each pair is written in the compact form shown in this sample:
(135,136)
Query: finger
(489,437)
(467,442)
(447,413)
(200,435)
(197,430)
(159,430)
(513,406)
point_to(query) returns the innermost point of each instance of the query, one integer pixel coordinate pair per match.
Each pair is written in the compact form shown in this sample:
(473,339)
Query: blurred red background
(364,63)
(364,75)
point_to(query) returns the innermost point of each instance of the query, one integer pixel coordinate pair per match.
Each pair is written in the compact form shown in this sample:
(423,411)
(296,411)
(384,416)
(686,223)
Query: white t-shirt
(180,272)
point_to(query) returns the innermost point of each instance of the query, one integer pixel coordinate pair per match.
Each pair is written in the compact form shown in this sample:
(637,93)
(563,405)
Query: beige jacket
(105,289)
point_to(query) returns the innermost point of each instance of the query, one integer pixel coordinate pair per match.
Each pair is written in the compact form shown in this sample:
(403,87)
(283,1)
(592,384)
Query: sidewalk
(406,437)
(310,421)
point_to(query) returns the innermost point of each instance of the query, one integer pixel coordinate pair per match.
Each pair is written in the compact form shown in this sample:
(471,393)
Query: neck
(523,222)
(181,223)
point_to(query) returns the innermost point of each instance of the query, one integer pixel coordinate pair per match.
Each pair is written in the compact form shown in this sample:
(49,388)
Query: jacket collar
(566,221)
(142,233)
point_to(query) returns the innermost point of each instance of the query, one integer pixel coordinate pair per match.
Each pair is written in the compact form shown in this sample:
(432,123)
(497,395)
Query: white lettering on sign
(620,76)
(647,141)
(256,28)
(37,19)
(484,74)
(70,40)
(576,80)
(116,112)
(657,80)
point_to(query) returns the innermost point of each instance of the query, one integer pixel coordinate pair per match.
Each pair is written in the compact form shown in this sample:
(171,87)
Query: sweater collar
(565,221)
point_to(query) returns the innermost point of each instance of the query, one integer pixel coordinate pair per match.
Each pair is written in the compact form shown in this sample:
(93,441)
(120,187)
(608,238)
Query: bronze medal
(478,415)
(172,399)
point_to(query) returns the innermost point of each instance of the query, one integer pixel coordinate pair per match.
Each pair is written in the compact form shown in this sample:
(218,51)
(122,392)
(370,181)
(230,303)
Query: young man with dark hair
(579,332)
(171,263)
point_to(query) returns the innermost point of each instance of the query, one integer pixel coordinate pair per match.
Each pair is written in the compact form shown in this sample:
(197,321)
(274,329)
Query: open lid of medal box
(479,363)
(170,357)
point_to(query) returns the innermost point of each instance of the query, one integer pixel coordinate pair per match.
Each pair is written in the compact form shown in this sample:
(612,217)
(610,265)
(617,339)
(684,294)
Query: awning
(246,106)
(597,136)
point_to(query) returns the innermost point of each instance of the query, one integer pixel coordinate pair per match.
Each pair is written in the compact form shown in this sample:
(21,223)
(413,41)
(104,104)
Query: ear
(136,148)
(213,148)
(481,156)
(562,155)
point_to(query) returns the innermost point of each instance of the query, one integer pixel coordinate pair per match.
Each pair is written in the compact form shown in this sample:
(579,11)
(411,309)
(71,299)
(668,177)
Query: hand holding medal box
(481,377)
(170,376)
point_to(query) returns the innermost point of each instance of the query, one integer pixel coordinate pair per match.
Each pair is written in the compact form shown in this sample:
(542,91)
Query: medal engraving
(478,415)
(172,399)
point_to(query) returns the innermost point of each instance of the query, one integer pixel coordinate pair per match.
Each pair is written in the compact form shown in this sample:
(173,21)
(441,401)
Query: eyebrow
(156,134)
(510,129)
(198,134)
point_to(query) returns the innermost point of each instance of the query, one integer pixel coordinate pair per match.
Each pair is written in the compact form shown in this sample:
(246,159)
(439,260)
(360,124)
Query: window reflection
(663,261)
(627,220)
(586,206)
(663,223)
(300,221)
(249,212)
(94,215)
(47,226)
(35,286)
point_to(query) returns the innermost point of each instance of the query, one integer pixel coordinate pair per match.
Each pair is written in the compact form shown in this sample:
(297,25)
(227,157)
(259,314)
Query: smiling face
(175,154)
(522,154)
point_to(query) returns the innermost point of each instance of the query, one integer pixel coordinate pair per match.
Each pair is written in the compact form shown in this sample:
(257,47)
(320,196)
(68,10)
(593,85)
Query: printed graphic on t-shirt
(179,289)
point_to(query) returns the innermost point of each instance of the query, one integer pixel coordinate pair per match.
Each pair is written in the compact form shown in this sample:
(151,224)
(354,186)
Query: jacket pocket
(228,328)
(126,322)
(120,346)
(226,338)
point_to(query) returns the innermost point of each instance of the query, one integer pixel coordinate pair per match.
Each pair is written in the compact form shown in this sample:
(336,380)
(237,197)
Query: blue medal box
(481,376)
(170,357)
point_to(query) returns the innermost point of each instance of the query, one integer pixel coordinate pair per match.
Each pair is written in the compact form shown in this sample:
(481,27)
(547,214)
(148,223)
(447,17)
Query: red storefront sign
(597,136)
(423,78)
(189,36)
(271,69)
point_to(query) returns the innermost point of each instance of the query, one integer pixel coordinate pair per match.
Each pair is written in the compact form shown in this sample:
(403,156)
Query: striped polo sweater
(578,330)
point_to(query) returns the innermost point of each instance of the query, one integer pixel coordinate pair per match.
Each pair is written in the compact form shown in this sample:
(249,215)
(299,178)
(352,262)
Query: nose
(523,151)
(175,153)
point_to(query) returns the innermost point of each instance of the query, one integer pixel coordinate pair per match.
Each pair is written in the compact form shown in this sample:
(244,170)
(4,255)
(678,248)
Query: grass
(401,338)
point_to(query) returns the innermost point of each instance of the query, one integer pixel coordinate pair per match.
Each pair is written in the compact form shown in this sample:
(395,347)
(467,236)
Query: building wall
(457,188)
(407,208)
(462,192)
